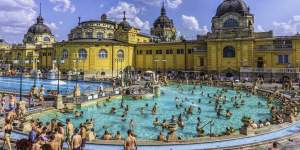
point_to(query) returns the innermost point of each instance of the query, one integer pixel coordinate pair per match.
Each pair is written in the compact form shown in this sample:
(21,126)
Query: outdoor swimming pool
(8,84)
(167,108)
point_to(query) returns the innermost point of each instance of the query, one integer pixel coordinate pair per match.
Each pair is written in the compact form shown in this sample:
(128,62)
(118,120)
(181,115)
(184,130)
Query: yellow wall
(93,64)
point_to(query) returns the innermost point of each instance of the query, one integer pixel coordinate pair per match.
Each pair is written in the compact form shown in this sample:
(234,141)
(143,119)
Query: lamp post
(35,61)
(58,62)
(21,62)
(77,87)
(119,60)
(76,61)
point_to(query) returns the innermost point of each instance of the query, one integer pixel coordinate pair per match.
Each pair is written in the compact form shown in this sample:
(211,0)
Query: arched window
(110,36)
(120,54)
(46,39)
(65,54)
(229,52)
(103,54)
(230,23)
(100,35)
(82,54)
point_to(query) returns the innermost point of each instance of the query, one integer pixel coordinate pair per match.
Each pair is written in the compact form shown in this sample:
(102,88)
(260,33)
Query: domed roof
(39,27)
(163,20)
(103,17)
(238,6)
(124,24)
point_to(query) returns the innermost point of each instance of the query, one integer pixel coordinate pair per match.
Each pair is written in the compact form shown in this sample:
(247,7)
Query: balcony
(269,70)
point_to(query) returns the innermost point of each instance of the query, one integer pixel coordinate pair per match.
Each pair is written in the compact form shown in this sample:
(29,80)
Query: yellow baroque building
(104,48)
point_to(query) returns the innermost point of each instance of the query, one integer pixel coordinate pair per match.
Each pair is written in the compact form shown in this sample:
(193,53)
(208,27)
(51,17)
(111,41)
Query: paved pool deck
(286,132)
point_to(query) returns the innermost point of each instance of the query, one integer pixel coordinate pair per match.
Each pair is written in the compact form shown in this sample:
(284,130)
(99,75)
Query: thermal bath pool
(166,108)
(8,84)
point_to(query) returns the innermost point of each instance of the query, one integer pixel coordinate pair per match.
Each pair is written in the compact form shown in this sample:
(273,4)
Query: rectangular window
(283,59)
(99,35)
(190,51)
(169,51)
(158,51)
(89,35)
(180,51)
(149,52)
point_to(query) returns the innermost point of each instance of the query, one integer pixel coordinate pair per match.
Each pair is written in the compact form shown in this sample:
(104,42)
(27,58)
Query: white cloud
(131,14)
(191,23)
(289,27)
(259,28)
(52,26)
(296,18)
(169,3)
(63,6)
(15,17)
(173,3)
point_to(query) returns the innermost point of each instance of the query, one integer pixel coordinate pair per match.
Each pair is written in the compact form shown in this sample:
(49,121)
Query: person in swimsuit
(130,142)
(7,134)
(69,132)
(76,140)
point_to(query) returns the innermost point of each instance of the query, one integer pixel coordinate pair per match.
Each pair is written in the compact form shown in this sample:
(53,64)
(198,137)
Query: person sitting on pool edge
(92,135)
(106,135)
(161,137)
(118,136)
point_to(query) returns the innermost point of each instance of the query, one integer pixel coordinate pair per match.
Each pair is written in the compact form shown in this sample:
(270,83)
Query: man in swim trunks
(130,142)
(76,140)
(69,132)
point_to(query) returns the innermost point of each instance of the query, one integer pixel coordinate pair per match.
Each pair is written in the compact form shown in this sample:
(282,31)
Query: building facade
(104,48)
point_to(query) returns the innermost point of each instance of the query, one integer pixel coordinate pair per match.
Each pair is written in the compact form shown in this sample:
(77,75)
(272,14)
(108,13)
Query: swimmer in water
(199,110)
(165,124)
(76,114)
(142,110)
(154,109)
(131,124)
(228,114)
(113,110)
(190,110)
(202,93)
(156,122)
(123,118)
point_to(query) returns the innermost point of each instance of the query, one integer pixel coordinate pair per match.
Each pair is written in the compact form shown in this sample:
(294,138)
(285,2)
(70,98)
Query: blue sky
(191,17)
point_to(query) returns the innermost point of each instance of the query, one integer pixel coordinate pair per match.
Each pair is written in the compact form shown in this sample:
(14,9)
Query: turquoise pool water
(66,87)
(166,108)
